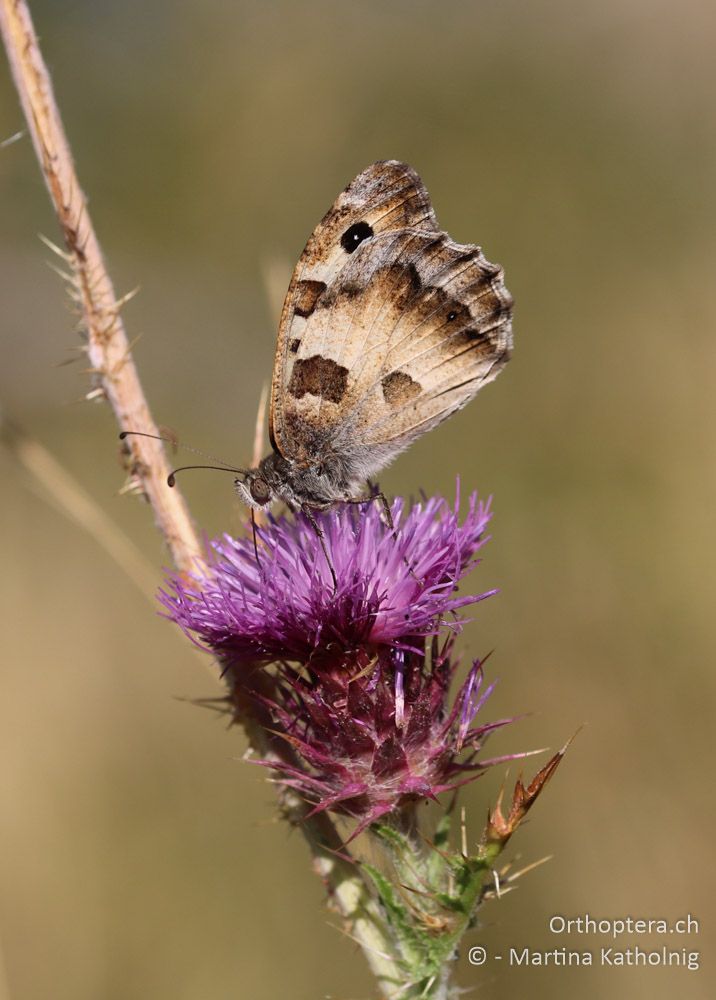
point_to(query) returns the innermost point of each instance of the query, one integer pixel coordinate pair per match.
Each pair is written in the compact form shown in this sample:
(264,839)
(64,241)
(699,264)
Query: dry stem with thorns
(116,380)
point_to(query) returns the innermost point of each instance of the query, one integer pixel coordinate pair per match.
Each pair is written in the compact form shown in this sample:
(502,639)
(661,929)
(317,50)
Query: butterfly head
(276,479)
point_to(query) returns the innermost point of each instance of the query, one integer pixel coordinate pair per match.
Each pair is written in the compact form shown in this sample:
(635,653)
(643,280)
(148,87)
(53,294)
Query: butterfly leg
(307,509)
(256,545)
(383,502)
(388,517)
(386,509)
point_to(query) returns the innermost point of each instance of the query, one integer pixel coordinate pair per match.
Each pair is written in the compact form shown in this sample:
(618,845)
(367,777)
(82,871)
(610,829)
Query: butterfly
(388,328)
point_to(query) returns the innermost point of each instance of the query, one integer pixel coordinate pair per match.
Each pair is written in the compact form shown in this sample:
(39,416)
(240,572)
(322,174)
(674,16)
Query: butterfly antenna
(172,480)
(196,451)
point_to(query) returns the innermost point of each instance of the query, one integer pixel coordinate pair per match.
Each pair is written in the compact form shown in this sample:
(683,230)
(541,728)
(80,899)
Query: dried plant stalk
(107,344)
(111,360)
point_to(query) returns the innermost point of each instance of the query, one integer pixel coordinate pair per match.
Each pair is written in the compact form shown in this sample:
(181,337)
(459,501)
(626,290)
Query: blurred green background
(139,857)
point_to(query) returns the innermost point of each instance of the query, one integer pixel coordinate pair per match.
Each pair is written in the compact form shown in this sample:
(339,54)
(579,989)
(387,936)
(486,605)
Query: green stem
(429,896)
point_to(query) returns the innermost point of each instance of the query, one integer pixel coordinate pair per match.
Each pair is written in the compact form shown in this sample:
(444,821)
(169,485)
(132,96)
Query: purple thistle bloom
(360,684)
(391,586)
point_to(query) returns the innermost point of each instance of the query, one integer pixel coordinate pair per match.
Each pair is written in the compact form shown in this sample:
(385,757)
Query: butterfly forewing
(386,197)
(388,327)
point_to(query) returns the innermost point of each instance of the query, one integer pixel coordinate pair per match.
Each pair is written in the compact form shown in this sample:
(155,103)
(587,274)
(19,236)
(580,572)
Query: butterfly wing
(388,327)
(386,197)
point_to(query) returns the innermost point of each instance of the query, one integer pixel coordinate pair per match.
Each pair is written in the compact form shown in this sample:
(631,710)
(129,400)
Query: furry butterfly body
(388,328)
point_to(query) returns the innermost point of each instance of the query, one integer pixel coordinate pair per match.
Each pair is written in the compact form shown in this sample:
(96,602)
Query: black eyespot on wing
(355,235)
(451,315)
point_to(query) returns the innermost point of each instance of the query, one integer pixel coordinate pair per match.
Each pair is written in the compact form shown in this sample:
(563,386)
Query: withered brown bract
(388,327)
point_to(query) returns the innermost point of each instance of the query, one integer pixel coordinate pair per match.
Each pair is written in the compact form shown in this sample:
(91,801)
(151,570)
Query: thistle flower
(361,678)
(390,585)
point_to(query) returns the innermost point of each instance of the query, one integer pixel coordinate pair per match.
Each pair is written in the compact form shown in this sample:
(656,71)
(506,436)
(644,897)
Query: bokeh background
(139,857)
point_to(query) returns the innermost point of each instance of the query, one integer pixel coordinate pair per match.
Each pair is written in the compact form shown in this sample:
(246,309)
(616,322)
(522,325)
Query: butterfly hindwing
(388,327)
(450,336)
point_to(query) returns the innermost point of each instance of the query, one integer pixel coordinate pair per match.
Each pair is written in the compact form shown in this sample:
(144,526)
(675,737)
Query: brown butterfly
(388,328)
